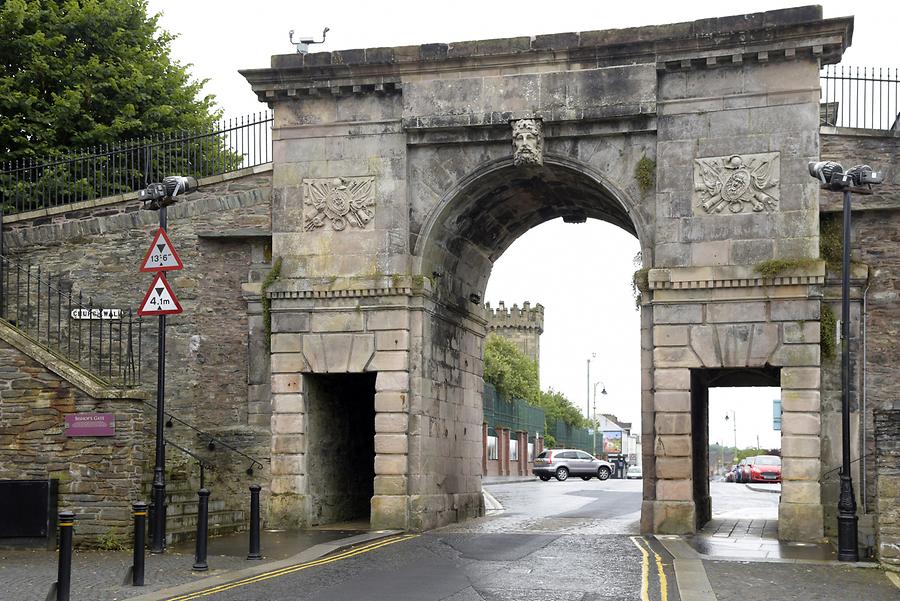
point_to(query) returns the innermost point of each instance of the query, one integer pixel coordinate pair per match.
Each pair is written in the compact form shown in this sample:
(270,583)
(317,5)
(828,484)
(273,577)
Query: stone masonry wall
(876,233)
(222,235)
(887,458)
(98,477)
(523,327)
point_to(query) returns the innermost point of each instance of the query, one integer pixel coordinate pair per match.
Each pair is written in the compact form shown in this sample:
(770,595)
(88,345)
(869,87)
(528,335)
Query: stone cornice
(737,276)
(769,36)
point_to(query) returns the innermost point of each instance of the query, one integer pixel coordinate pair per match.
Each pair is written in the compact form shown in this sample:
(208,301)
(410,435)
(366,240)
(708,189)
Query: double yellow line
(297,567)
(645,570)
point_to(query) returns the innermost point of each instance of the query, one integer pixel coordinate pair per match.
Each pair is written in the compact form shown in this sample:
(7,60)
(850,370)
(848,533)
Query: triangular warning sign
(160,299)
(161,255)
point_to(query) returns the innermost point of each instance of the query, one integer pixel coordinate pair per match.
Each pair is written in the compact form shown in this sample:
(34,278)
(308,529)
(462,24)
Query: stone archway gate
(396,187)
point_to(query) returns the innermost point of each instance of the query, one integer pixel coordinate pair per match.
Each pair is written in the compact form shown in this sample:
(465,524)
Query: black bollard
(254,522)
(139,511)
(64,573)
(200,564)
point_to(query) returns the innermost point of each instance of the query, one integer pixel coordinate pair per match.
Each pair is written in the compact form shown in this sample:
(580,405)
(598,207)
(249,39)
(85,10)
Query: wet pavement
(27,574)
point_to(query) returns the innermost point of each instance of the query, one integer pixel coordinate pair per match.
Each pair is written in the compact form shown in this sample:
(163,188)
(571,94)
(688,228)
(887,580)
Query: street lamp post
(603,392)
(157,197)
(859,179)
(733,423)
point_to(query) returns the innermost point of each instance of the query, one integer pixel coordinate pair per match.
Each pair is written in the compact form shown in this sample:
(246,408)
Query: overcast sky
(580,273)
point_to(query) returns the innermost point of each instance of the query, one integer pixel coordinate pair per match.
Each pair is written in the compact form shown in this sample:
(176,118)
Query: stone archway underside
(394,189)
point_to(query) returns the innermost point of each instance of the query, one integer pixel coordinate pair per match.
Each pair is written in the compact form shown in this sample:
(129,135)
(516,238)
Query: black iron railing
(79,175)
(209,440)
(103,340)
(860,97)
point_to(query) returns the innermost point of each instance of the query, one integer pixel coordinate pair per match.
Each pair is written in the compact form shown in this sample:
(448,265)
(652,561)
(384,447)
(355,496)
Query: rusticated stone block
(288,363)
(337,321)
(800,446)
(673,423)
(677,314)
(670,335)
(673,446)
(392,380)
(677,468)
(736,312)
(389,512)
(793,468)
(672,379)
(800,400)
(390,485)
(800,423)
(672,400)
(795,491)
(390,465)
(391,443)
(391,423)
(391,401)
(801,522)
(800,377)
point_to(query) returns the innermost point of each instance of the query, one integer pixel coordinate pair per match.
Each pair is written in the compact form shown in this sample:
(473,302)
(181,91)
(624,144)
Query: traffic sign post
(160,298)
(161,256)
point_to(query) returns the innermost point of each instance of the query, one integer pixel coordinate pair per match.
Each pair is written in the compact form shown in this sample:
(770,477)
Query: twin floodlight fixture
(833,176)
(163,194)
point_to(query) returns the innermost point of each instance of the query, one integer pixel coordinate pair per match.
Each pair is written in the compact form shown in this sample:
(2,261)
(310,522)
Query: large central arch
(394,190)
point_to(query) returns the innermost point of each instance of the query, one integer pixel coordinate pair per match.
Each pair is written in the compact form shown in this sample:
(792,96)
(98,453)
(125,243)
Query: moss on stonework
(645,174)
(775,267)
(828,333)
(273,275)
(831,243)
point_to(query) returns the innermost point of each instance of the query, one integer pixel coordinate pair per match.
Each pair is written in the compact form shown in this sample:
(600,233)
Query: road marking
(645,570)
(296,568)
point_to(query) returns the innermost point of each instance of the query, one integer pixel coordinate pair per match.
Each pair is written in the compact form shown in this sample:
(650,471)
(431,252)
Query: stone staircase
(182,501)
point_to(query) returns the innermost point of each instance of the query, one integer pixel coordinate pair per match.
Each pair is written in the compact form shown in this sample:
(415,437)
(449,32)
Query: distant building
(523,327)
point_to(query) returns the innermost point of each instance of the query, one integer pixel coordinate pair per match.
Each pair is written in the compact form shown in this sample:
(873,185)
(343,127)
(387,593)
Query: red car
(762,468)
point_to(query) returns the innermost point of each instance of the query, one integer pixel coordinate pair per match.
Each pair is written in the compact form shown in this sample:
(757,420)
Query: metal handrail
(79,175)
(860,97)
(210,438)
(54,317)
(204,464)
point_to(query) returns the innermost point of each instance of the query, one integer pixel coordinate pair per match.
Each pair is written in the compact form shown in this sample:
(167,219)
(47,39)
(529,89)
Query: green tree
(557,406)
(514,375)
(81,73)
(85,74)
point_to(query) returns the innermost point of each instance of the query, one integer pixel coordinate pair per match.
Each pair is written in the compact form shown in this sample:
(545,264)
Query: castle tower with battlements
(521,326)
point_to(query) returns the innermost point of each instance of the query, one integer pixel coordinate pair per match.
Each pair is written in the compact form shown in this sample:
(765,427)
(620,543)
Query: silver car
(561,463)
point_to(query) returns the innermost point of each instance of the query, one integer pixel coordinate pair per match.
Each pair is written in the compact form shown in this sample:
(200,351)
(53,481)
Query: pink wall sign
(90,424)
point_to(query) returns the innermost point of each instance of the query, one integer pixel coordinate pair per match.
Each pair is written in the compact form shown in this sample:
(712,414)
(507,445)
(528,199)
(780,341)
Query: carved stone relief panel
(338,202)
(739,183)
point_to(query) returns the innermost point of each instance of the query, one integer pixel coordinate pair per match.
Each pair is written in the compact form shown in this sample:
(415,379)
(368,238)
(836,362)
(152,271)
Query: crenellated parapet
(522,326)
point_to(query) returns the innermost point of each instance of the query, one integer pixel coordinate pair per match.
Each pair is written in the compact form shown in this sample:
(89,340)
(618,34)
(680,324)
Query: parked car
(763,468)
(561,463)
(634,472)
(729,477)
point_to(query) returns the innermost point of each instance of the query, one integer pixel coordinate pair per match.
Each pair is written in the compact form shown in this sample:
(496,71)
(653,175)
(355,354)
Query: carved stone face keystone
(528,142)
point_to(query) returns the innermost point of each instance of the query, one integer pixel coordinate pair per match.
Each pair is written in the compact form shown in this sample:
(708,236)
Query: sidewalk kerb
(314,552)
(690,575)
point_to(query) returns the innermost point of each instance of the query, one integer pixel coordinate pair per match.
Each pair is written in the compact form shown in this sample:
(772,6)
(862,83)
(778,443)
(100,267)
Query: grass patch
(828,332)
(775,267)
(645,174)
(271,277)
